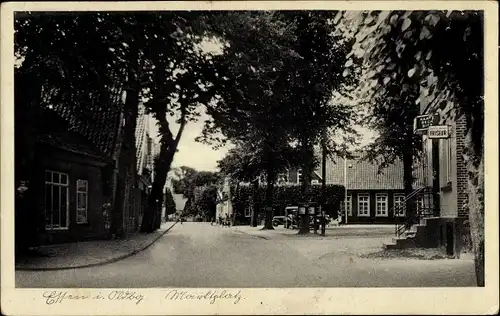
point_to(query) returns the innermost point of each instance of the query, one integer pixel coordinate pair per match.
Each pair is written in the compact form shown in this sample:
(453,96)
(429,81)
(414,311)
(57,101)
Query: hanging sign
(421,123)
(438,131)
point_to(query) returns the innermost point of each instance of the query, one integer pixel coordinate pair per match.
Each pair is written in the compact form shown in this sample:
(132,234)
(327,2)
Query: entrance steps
(410,238)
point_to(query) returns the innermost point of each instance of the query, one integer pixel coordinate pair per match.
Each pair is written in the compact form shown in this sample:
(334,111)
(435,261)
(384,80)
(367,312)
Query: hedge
(287,195)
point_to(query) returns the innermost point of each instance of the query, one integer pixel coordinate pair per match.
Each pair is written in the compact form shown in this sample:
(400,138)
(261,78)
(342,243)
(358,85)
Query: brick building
(444,172)
(75,177)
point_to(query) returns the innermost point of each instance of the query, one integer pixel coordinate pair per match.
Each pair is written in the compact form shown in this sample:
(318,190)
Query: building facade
(224,205)
(75,178)
(373,197)
(71,183)
(444,172)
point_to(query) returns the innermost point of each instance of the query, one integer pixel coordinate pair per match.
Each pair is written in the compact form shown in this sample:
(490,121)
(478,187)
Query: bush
(287,195)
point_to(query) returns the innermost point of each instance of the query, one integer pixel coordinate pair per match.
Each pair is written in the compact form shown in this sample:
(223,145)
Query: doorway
(450,245)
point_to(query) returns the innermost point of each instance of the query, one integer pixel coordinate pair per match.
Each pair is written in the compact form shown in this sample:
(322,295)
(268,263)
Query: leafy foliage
(442,51)
(245,162)
(205,200)
(189,179)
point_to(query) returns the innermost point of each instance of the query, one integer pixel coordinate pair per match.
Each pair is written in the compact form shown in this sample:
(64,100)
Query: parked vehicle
(279,220)
(291,217)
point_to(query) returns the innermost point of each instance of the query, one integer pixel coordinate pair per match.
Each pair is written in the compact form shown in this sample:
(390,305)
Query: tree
(241,164)
(252,77)
(315,76)
(246,163)
(447,48)
(107,55)
(205,201)
(189,181)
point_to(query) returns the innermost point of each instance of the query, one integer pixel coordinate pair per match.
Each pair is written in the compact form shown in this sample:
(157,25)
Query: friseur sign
(438,131)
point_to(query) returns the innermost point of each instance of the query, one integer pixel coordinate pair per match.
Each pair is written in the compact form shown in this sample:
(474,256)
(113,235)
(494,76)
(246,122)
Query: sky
(193,154)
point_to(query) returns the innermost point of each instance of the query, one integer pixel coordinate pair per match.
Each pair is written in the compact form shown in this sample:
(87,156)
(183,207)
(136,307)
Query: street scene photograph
(249,149)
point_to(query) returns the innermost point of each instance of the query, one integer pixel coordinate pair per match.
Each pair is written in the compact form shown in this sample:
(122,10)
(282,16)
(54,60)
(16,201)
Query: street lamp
(345,187)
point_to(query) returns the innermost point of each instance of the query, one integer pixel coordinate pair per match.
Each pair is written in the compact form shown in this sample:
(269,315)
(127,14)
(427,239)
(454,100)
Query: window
(446,161)
(399,205)
(56,200)
(299,176)
(381,204)
(348,203)
(363,205)
(81,201)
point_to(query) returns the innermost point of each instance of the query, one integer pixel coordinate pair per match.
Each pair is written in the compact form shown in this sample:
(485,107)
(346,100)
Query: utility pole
(345,188)
(323,186)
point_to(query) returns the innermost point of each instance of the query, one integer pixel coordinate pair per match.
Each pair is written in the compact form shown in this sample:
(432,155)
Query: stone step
(389,246)
(410,233)
(403,242)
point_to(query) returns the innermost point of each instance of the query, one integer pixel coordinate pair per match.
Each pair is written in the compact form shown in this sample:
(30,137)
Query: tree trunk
(151,220)
(155,199)
(127,160)
(269,209)
(255,204)
(475,170)
(307,171)
(323,184)
(408,183)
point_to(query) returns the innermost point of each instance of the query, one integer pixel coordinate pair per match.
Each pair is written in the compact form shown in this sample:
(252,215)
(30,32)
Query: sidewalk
(89,253)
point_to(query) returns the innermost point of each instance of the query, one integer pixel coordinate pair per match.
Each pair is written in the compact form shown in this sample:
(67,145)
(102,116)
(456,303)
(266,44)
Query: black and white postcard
(249,157)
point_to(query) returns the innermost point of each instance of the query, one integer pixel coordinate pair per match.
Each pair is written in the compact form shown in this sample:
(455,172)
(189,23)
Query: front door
(449,239)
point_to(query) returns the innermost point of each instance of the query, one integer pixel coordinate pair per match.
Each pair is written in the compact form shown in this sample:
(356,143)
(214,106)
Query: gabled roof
(364,175)
(140,139)
(53,130)
(98,123)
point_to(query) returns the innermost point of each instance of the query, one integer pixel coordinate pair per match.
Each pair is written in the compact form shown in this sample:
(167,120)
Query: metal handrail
(401,227)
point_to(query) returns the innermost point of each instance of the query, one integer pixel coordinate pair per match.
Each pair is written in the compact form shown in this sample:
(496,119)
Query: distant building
(224,204)
(145,153)
(371,196)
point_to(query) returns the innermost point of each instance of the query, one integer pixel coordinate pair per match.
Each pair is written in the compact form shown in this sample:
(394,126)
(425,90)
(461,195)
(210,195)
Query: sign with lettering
(311,210)
(422,123)
(438,131)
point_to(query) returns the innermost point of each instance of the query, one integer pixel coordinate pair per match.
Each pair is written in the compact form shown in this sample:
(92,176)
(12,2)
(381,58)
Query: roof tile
(364,175)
